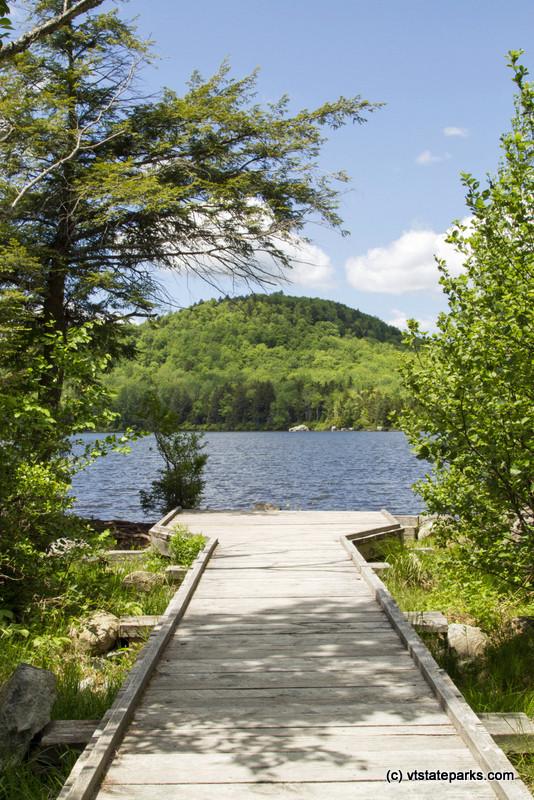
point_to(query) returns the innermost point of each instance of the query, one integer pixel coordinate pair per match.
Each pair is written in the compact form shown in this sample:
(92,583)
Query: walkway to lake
(286,680)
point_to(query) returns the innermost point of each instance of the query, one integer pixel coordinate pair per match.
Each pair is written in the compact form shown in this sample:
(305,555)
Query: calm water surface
(338,471)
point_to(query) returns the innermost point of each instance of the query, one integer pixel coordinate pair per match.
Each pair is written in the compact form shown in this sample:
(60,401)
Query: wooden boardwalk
(285,680)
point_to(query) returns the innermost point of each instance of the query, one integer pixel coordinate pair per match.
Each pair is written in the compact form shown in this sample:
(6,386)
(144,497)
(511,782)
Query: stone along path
(285,680)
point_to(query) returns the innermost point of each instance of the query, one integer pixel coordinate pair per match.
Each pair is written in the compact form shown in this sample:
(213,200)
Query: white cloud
(426,158)
(451,130)
(405,265)
(400,320)
(311,265)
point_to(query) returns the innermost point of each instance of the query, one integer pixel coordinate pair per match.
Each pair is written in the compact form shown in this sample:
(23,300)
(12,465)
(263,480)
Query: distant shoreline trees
(264,362)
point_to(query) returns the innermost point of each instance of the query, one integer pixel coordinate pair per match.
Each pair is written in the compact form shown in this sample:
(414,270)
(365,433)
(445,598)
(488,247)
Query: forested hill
(264,362)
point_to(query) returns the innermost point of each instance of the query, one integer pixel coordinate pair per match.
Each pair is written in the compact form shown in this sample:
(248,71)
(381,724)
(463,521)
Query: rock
(468,642)
(143,581)
(265,507)
(298,428)
(522,625)
(96,634)
(26,702)
(426,525)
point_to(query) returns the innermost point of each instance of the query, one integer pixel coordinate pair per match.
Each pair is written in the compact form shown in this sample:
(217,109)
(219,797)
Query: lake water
(339,471)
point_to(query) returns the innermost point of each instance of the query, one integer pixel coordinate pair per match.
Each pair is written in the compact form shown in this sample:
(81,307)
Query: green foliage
(35,779)
(185,546)
(472,382)
(442,580)
(264,362)
(180,482)
(5,21)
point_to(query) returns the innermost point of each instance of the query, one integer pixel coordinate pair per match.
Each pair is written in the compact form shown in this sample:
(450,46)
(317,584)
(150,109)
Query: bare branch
(46,28)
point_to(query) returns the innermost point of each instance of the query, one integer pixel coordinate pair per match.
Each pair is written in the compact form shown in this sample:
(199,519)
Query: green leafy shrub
(180,482)
(185,546)
(471,381)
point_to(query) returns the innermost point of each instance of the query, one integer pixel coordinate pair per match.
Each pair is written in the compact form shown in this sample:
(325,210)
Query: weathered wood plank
(429,621)
(514,732)
(364,676)
(194,768)
(285,629)
(165,717)
(165,690)
(361,790)
(68,732)
(371,663)
(297,645)
(136,627)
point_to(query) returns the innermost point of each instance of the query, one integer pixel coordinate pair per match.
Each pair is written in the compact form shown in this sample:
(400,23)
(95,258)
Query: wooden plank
(88,770)
(364,676)
(514,732)
(285,629)
(428,621)
(165,717)
(136,627)
(164,691)
(336,607)
(68,732)
(264,591)
(300,644)
(280,767)
(361,790)
(371,663)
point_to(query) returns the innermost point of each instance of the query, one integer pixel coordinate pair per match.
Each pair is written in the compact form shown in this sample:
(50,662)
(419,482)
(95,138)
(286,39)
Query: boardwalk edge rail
(88,771)
(469,727)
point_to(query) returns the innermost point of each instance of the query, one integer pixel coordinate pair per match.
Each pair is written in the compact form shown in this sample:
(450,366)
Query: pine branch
(45,29)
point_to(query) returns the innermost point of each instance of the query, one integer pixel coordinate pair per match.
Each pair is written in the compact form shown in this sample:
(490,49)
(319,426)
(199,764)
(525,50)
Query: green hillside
(264,362)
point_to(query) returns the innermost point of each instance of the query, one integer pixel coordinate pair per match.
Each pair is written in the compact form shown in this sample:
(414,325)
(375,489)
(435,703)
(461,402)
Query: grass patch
(440,581)
(185,546)
(35,780)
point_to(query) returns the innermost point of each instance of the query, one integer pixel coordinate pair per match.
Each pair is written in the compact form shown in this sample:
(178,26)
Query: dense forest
(263,362)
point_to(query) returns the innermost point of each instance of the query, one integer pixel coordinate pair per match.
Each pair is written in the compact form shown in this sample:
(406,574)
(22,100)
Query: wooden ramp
(285,680)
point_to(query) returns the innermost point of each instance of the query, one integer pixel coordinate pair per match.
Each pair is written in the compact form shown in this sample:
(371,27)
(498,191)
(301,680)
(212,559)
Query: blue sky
(439,67)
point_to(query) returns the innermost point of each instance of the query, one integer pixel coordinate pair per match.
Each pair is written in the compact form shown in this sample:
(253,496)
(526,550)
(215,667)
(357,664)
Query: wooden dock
(287,679)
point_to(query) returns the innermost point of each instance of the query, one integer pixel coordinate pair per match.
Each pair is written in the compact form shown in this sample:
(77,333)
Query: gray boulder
(468,642)
(143,581)
(298,428)
(96,634)
(26,702)
(426,524)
